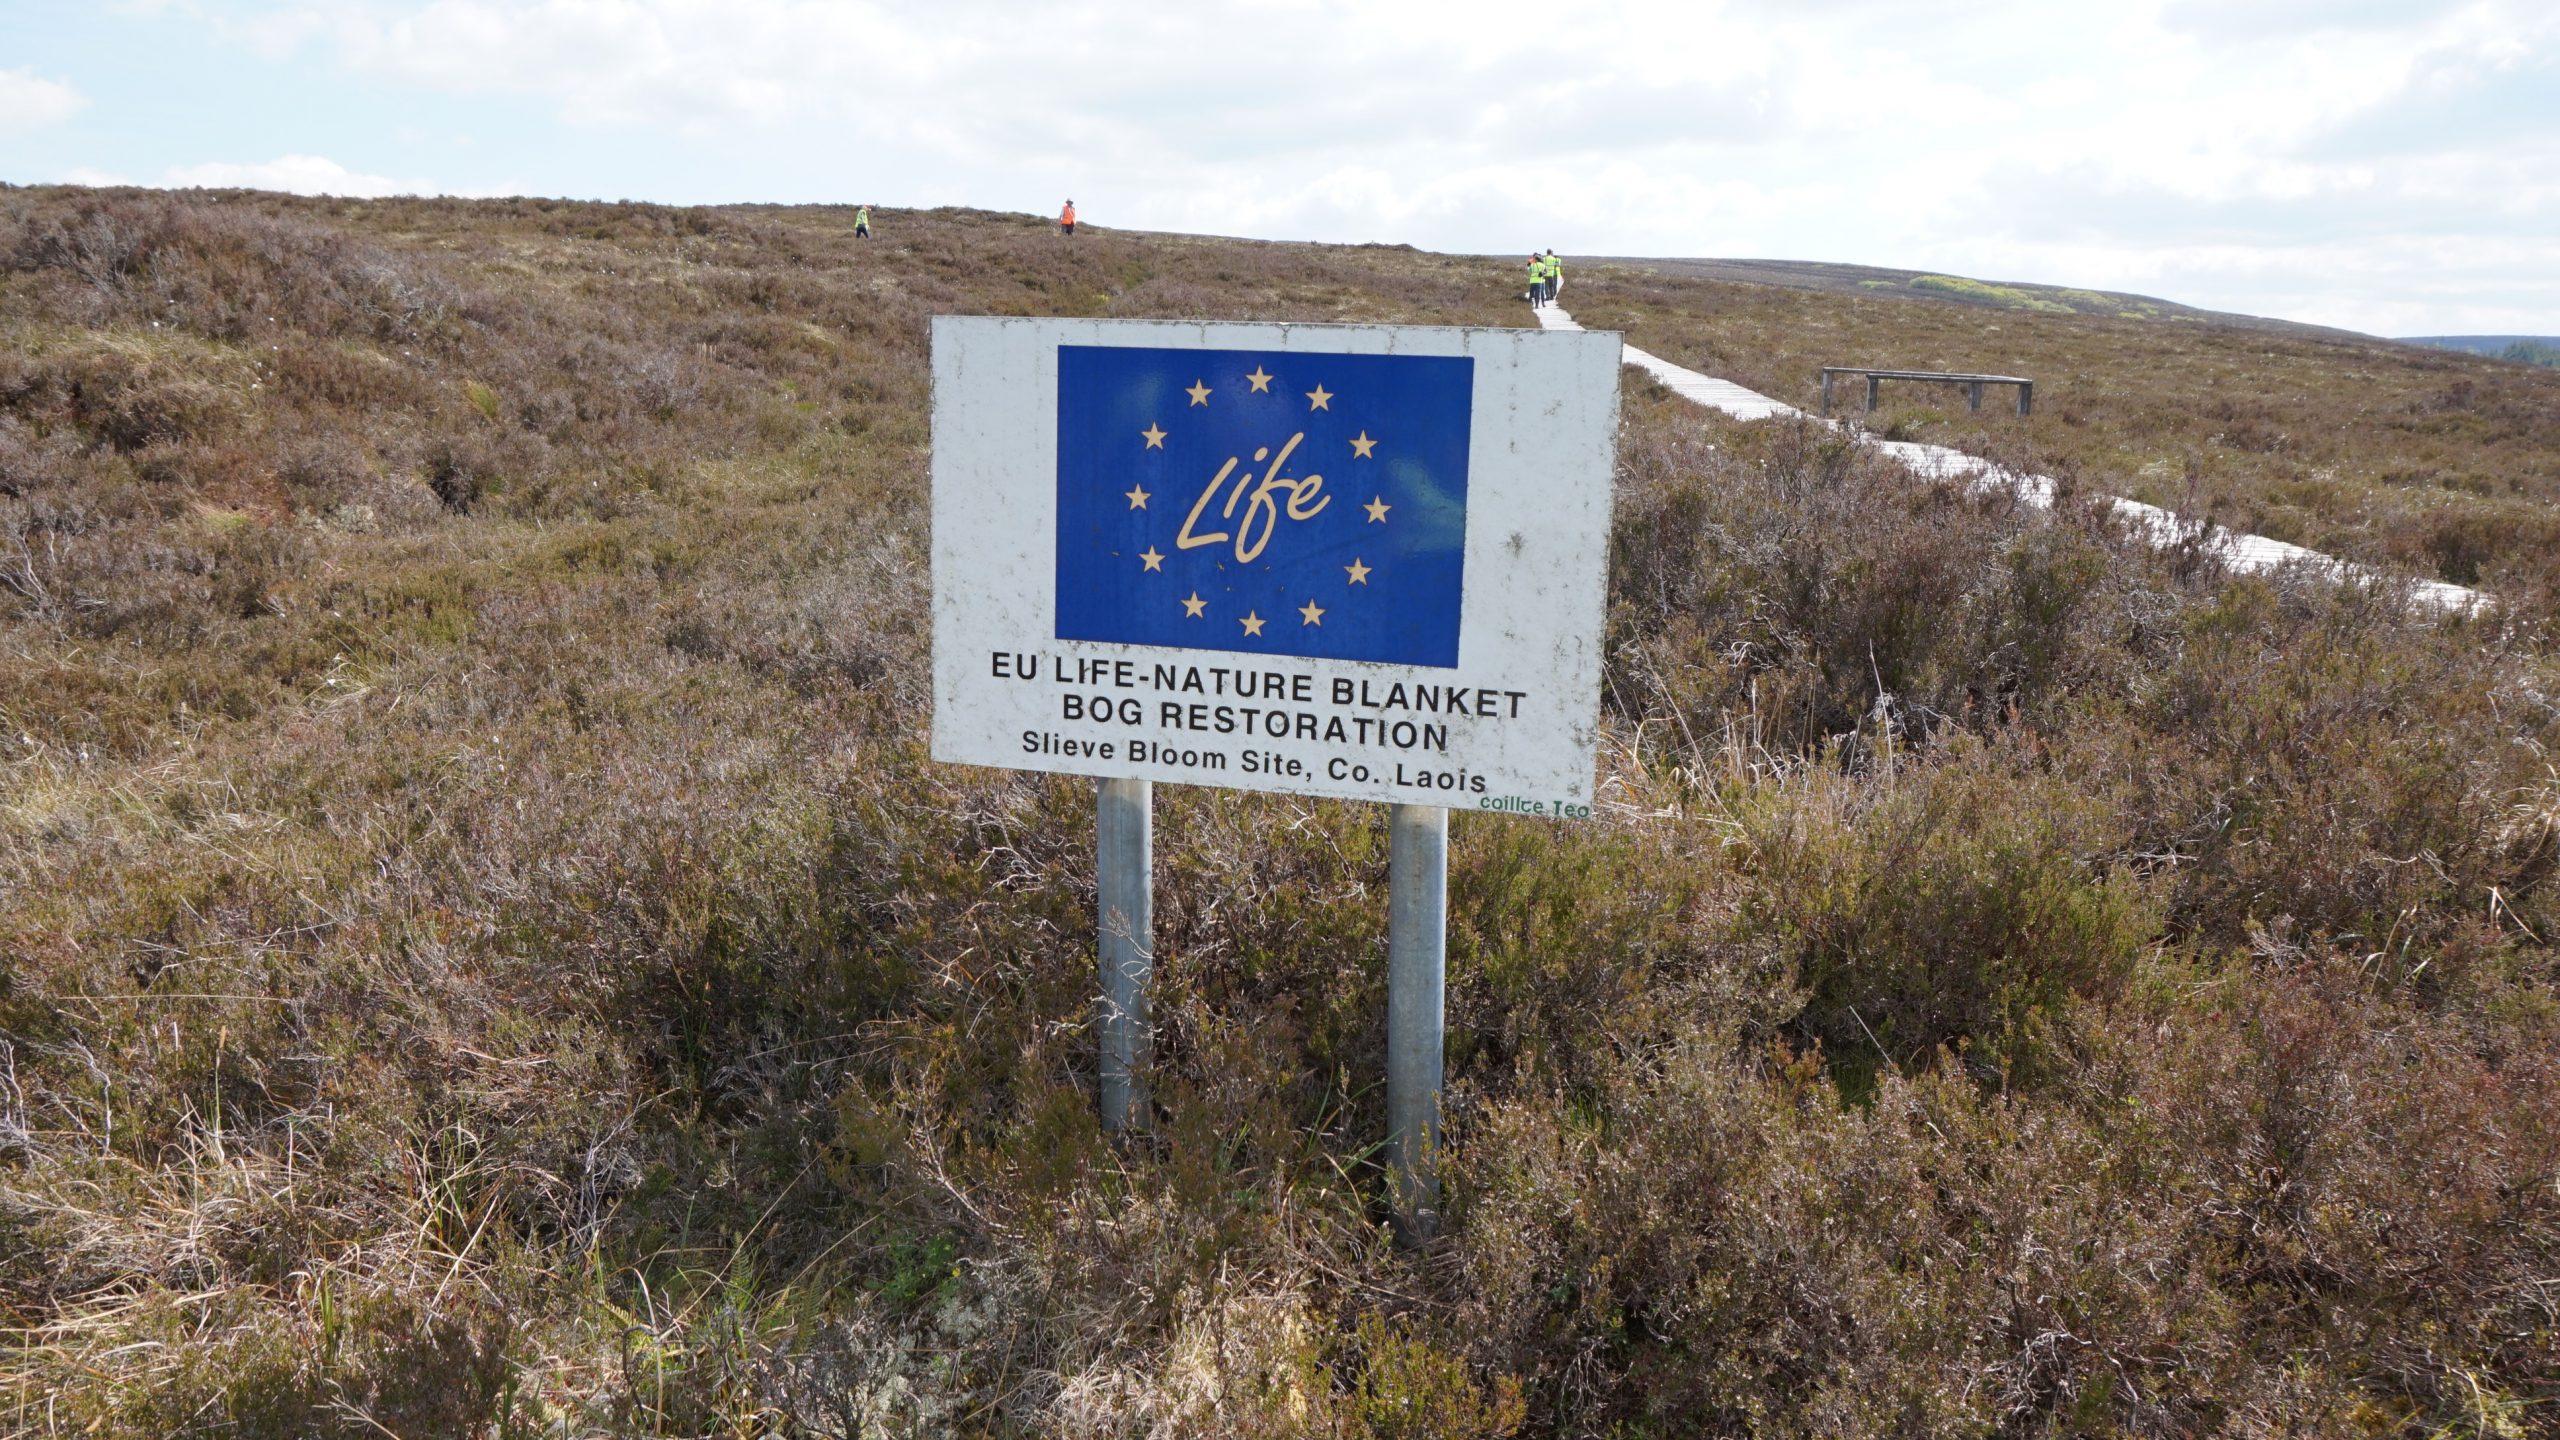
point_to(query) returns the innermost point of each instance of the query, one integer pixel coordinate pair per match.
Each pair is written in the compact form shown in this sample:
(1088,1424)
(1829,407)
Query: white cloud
(305,175)
(293,174)
(28,101)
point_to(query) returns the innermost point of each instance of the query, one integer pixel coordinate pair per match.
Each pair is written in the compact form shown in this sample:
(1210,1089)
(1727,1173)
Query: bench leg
(1871,394)
(1826,392)
(1973,398)
(2027,398)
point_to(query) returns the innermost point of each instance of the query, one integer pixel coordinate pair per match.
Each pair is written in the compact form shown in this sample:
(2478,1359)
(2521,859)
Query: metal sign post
(1124,851)
(1417,952)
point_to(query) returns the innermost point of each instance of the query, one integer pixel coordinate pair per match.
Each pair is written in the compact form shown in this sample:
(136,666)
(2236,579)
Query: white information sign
(1359,561)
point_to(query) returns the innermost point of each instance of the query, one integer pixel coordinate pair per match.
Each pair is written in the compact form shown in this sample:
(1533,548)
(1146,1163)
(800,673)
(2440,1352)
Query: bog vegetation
(2420,460)
(483,951)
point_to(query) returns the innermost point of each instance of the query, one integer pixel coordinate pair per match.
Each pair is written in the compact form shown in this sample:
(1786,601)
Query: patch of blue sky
(169,90)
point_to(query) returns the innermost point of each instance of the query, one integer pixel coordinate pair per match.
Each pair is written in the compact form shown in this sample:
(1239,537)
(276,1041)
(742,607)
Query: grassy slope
(2432,462)
(482,950)
(1872,281)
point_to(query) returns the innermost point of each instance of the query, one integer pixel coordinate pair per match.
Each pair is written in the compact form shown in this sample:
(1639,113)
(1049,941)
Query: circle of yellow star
(1378,509)
(1321,399)
(1361,447)
(1199,393)
(1154,436)
(1359,573)
(1137,497)
(1261,382)
(1193,607)
(1153,557)
(1311,614)
(1252,623)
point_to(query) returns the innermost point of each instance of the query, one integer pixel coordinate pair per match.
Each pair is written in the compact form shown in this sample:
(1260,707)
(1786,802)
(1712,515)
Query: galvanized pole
(1417,952)
(1124,826)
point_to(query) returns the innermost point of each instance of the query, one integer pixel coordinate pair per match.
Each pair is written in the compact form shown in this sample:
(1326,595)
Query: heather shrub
(1778,579)
(513,968)
(2353,1174)
(1721,1246)
(1555,935)
(1717,1243)
(227,267)
(2308,760)
(324,472)
(1964,904)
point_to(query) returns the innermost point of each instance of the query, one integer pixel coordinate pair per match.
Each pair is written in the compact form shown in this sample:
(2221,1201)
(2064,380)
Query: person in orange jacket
(1067,220)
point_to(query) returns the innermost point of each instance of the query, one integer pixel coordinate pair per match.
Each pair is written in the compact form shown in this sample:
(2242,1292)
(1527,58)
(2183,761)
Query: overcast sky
(2385,165)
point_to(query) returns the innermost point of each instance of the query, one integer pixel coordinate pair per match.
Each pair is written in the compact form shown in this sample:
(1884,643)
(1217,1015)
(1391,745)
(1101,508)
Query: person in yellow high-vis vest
(1555,276)
(1537,281)
(862,222)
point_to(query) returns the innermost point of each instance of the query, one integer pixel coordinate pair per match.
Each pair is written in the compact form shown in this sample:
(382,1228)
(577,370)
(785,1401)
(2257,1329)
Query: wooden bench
(1973,385)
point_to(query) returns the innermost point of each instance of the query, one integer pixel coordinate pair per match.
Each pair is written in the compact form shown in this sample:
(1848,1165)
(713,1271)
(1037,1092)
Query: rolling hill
(484,950)
(2529,349)
(1871,281)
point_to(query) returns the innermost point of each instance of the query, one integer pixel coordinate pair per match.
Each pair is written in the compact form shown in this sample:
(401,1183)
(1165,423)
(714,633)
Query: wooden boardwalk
(2247,553)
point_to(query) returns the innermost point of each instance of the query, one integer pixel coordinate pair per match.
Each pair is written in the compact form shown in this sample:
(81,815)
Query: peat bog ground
(483,950)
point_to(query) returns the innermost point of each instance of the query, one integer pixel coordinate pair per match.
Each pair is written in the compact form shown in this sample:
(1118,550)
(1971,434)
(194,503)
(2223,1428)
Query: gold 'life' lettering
(1305,499)
(1188,541)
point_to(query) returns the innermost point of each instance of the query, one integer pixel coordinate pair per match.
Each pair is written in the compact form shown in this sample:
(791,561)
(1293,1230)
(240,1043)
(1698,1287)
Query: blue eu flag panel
(1264,503)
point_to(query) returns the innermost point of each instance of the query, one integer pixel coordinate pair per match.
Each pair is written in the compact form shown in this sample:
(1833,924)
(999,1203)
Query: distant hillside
(1958,289)
(2529,349)
(2389,453)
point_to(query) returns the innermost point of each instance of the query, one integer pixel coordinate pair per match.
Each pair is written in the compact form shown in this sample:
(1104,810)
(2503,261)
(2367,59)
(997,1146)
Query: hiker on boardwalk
(1067,220)
(1555,276)
(1537,281)
(862,222)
